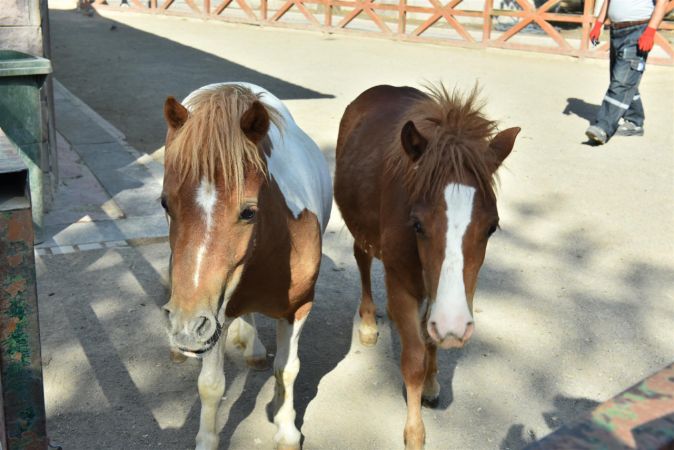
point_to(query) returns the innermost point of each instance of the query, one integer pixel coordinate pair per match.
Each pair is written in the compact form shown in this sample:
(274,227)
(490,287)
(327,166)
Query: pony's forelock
(211,143)
(458,135)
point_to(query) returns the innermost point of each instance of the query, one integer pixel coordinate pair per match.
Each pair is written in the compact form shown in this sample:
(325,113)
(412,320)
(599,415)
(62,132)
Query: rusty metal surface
(21,392)
(391,19)
(642,417)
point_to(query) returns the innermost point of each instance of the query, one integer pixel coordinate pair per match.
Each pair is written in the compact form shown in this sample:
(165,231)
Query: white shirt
(629,10)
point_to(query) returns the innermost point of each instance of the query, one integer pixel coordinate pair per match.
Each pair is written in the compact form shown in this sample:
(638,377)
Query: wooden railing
(515,24)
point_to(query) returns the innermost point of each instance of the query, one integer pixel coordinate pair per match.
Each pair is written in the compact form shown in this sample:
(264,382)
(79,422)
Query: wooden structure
(524,26)
(22,413)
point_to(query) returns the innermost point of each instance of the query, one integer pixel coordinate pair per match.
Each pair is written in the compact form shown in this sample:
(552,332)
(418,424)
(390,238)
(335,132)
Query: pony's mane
(211,141)
(458,135)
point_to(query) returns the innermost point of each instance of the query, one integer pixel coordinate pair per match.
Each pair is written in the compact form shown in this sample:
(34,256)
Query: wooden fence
(555,26)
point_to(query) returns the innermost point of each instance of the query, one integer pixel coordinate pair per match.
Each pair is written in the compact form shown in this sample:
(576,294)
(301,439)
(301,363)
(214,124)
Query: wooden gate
(552,26)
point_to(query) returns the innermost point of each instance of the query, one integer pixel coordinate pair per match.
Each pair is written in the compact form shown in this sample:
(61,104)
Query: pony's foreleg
(244,334)
(404,312)
(286,368)
(367,328)
(431,393)
(211,386)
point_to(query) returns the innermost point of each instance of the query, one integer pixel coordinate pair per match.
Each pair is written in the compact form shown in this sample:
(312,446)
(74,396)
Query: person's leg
(635,113)
(626,73)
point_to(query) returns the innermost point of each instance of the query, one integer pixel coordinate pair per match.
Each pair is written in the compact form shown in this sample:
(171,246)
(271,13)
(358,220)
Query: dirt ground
(575,300)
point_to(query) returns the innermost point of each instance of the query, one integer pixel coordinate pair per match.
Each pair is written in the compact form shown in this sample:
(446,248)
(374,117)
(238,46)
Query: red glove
(646,39)
(596,32)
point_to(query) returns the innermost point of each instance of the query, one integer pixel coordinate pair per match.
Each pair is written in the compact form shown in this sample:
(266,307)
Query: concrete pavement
(575,300)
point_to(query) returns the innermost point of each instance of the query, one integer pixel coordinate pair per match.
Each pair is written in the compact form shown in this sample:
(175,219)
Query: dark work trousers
(622,98)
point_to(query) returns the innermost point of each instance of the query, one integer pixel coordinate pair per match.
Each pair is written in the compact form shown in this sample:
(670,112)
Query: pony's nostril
(202,327)
(166,308)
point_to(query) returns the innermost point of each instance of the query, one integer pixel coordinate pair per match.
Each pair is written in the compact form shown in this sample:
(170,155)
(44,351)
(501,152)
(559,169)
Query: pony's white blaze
(207,197)
(449,313)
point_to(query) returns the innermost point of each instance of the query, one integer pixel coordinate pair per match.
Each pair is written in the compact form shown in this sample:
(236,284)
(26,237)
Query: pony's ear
(413,142)
(175,113)
(502,144)
(255,122)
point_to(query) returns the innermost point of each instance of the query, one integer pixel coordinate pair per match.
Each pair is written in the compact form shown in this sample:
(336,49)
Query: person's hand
(646,40)
(596,32)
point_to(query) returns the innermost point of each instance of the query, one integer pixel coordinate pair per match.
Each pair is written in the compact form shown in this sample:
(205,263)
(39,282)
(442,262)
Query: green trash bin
(21,77)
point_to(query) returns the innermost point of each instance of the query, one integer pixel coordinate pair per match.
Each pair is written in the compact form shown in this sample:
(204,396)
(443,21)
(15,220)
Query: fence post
(486,22)
(588,15)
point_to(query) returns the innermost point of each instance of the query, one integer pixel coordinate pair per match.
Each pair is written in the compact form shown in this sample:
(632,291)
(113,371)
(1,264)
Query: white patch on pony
(450,311)
(207,197)
(286,368)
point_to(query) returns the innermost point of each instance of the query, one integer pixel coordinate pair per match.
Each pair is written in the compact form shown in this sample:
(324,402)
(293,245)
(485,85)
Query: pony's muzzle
(194,333)
(454,337)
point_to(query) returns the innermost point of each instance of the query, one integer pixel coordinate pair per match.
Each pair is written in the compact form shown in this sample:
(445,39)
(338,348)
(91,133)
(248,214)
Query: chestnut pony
(414,181)
(248,196)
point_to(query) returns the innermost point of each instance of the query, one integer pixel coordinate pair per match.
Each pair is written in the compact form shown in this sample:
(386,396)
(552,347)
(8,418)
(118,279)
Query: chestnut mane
(211,140)
(458,135)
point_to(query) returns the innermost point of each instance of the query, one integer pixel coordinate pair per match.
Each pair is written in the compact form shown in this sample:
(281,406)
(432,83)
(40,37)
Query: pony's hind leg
(286,368)
(211,384)
(367,328)
(243,333)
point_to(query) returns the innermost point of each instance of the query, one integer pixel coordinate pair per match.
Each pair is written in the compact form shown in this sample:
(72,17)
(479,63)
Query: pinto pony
(414,181)
(248,196)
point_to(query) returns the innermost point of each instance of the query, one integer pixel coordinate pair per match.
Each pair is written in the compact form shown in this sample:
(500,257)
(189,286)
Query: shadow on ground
(581,108)
(149,66)
(107,359)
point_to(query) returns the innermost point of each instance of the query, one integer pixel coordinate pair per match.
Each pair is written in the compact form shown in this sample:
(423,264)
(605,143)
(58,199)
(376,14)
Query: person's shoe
(628,128)
(596,135)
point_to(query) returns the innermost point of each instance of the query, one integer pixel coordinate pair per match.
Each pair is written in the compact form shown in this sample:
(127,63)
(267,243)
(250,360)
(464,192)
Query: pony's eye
(418,228)
(247,214)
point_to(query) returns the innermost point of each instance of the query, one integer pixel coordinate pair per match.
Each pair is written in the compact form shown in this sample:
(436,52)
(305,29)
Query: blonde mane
(458,137)
(211,143)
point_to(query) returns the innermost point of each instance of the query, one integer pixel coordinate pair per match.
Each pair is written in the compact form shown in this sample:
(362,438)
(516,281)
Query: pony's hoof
(177,357)
(415,438)
(288,447)
(368,338)
(430,402)
(431,395)
(257,363)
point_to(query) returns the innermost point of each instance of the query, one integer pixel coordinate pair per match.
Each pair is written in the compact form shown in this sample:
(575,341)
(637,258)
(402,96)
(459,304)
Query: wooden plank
(284,9)
(349,17)
(307,14)
(193,7)
(402,16)
(247,9)
(263,9)
(588,16)
(554,34)
(221,7)
(166,5)
(486,21)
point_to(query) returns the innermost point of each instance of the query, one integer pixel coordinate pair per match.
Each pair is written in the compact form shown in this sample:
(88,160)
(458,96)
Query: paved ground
(575,301)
